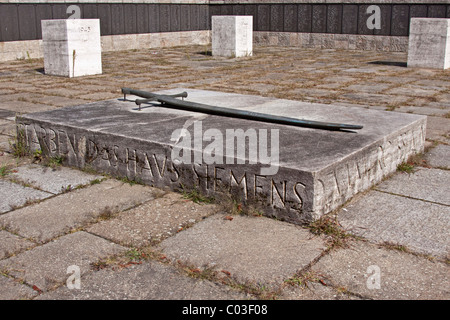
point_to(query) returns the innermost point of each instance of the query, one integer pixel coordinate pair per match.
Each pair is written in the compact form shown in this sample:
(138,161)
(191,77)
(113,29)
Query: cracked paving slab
(14,195)
(152,221)
(54,180)
(381,217)
(439,157)
(148,281)
(254,250)
(10,289)
(375,272)
(56,216)
(11,244)
(425,184)
(46,266)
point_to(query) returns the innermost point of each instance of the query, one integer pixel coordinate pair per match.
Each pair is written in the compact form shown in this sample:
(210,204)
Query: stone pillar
(429,43)
(72,47)
(232,36)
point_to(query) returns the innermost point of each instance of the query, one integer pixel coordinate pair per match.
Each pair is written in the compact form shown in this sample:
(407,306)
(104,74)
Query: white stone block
(232,36)
(429,43)
(72,47)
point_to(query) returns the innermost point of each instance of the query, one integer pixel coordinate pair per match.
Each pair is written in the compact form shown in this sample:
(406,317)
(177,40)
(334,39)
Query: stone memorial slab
(293,173)
(429,43)
(72,47)
(232,36)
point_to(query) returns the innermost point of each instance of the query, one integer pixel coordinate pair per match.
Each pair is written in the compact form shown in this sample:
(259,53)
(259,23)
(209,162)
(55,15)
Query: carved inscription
(155,167)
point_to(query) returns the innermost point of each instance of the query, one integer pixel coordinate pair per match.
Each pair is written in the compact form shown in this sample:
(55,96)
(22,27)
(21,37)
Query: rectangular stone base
(72,47)
(314,171)
(232,36)
(429,43)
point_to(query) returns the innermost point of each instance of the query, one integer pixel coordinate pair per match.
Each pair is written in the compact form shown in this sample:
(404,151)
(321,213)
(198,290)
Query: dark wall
(332,18)
(22,21)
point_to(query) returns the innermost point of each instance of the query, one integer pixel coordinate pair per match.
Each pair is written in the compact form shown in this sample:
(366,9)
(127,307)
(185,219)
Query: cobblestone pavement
(129,241)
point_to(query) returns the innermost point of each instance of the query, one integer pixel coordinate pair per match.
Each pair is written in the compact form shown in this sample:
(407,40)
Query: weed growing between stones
(406,167)
(19,145)
(4,170)
(330,227)
(195,195)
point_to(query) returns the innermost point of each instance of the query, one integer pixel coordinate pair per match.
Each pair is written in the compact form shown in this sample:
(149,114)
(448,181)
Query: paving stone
(428,111)
(5,143)
(54,180)
(15,195)
(97,96)
(401,275)
(152,221)
(14,290)
(6,159)
(24,107)
(314,291)
(7,128)
(368,87)
(148,281)
(11,244)
(380,217)
(425,184)
(57,101)
(432,83)
(374,98)
(237,246)
(54,217)
(46,266)
(439,157)
(438,129)
(360,70)
(414,91)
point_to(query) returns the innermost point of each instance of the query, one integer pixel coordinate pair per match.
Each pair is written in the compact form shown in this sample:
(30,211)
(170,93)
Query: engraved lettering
(281,198)
(216,178)
(175,171)
(131,161)
(257,188)
(92,151)
(302,188)
(146,167)
(158,168)
(200,176)
(242,181)
(52,144)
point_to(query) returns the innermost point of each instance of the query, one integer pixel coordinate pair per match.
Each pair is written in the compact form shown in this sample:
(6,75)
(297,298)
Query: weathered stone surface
(15,195)
(148,281)
(235,244)
(7,128)
(13,290)
(71,47)
(439,157)
(153,221)
(380,217)
(53,180)
(401,275)
(429,43)
(11,244)
(314,291)
(424,184)
(54,217)
(5,144)
(232,36)
(316,171)
(438,129)
(46,266)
